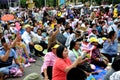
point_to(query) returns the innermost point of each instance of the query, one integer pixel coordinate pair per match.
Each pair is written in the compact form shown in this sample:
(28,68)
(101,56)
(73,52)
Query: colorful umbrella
(7,17)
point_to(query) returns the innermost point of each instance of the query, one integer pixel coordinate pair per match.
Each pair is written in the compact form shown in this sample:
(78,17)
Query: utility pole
(19,3)
(75,2)
(45,3)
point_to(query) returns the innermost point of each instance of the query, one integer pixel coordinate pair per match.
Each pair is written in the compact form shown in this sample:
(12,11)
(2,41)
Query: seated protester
(63,64)
(30,38)
(7,55)
(22,52)
(49,60)
(110,46)
(96,57)
(94,33)
(114,68)
(74,36)
(67,32)
(76,74)
(74,51)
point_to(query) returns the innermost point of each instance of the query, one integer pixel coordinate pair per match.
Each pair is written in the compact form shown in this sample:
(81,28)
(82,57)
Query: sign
(62,2)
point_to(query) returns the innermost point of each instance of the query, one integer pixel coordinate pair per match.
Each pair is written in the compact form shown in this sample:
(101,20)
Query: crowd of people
(72,42)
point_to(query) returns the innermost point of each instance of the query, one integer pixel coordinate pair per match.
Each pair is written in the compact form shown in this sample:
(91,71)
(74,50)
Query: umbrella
(7,17)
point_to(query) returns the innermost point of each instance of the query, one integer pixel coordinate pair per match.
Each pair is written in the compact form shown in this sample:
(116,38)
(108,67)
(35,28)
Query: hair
(3,40)
(76,74)
(72,44)
(60,50)
(111,34)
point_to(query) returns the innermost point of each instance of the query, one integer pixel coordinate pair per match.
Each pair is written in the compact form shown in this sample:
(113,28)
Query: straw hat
(28,26)
(38,47)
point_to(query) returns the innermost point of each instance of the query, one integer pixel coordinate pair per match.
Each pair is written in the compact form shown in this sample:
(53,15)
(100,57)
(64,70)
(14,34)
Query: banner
(62,2)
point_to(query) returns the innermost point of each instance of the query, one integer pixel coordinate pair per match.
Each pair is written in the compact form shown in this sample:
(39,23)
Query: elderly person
(29,37)
(74,36)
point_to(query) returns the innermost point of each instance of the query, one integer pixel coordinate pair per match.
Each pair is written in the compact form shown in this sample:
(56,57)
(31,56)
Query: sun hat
(28,26)
(32,76)
(104,38)
(38,47)
(55,46)
(93,39)
(95,10)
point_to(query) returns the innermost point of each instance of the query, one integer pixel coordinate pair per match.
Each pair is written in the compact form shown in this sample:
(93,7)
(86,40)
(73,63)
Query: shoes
(31,60)
(27,65)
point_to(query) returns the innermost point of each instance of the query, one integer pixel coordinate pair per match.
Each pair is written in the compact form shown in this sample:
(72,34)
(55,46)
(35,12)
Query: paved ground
(35,67)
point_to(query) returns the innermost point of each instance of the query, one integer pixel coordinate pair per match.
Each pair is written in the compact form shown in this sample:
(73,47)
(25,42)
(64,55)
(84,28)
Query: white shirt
(27,38)
(112,27)
(66,34)
(69,39)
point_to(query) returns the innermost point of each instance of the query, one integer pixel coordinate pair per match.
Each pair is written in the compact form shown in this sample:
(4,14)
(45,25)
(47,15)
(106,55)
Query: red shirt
(59,68)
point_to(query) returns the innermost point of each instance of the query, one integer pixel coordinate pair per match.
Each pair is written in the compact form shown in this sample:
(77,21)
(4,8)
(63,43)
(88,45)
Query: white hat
(95,10)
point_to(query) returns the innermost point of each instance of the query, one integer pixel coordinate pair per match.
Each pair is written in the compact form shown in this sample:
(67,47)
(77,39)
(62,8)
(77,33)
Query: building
(9,3)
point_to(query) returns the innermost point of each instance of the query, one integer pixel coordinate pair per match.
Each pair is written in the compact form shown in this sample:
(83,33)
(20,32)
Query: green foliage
(40,3)
(23,3)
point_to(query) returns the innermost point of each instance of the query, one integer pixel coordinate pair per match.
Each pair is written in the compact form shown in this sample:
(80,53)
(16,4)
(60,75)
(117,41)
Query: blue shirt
(12,56)
(110,48)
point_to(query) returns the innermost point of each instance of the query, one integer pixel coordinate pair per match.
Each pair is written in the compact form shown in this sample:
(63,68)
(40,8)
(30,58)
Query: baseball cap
(55,46)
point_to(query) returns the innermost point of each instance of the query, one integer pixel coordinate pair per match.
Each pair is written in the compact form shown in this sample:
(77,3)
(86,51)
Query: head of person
(39,32)
(28,28)
(19,38)
(95,10)
(62,52)
(94,41)
(75,45)
(112,35)
(76,74)
(3,41)
(53,47)
(94,31)
(67,29)
(77,33)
